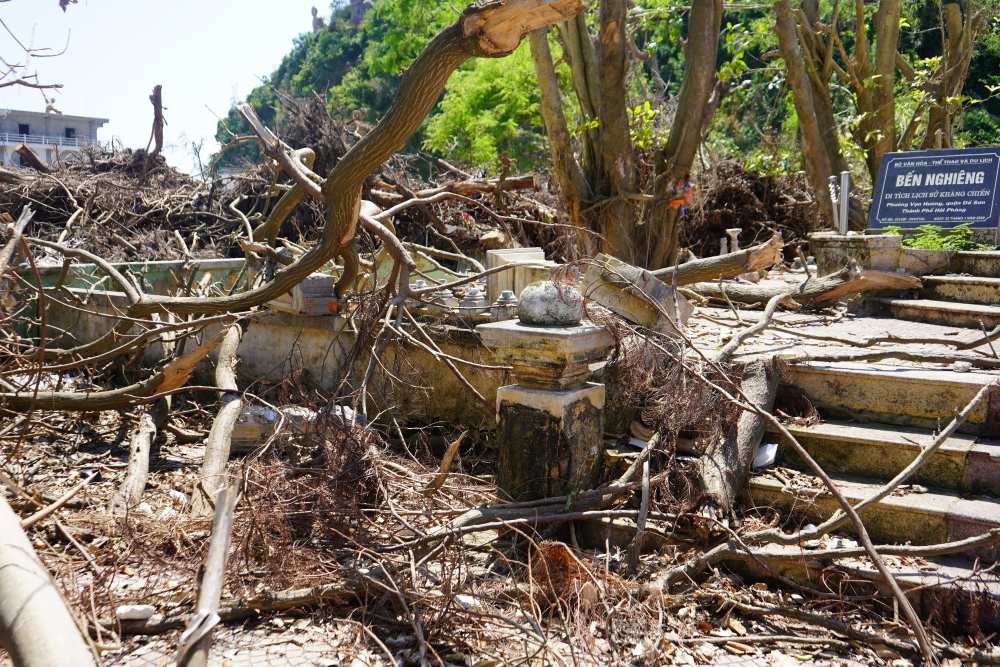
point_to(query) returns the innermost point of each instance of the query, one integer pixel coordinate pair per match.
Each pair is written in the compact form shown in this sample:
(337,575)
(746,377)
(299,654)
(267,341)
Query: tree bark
(212,478)
(958,46)
(582,58)
(754,258)
(814,154)
(818,61)
(572,184)
(674,160)
(815,291)
(617,216)
(36,627)
(883,88)
(140,445)
(723,470)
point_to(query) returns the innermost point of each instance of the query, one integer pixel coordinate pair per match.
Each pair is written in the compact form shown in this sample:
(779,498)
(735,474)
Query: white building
(48,135)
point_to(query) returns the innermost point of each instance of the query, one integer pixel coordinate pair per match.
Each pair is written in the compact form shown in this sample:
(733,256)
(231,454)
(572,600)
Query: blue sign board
(942,187)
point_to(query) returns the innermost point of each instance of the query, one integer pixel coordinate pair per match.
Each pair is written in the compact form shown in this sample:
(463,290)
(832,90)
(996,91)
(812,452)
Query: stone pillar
(551,423)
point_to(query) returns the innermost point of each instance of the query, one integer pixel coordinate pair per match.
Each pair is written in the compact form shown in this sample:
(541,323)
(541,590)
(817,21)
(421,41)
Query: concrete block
(966,289)
(551,442)
(949,313)
(901,395)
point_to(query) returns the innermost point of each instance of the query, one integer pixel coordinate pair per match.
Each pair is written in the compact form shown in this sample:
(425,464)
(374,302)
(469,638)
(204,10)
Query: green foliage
(490,107)
(642,128)
(980,128)
(932,237)
(396,31)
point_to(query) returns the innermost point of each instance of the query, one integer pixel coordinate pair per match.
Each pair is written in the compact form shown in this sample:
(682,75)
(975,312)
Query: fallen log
(36,628)
(723,469)
(211,478)
(813,291)
(635,294)
(754,258)
(139,448)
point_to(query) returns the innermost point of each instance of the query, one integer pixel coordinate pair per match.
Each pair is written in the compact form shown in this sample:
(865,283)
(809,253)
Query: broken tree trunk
(140,445)
(754,258)
(211,479)
(814,291)
(723,469)
(36,628)
(635,294)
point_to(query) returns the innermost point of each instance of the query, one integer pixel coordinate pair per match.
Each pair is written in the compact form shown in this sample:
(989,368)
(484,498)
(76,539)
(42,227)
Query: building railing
(43,139)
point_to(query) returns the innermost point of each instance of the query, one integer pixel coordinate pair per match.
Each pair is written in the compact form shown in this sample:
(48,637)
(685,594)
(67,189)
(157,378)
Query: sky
(205,53)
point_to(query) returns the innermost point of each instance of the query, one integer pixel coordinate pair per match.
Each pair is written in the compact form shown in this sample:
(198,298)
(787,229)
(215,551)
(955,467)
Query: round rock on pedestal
(546,304)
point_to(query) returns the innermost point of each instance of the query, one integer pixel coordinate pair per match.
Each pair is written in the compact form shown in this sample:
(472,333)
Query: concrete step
(950,592)
(941,312)
(985,263)
(880,451)
(901,395)
(962,289)
(913,515)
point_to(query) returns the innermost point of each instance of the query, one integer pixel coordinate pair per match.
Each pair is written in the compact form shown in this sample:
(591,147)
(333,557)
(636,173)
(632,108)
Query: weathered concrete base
(881,451)
(551,442)
(834,251)
(902,395)
(929,517)
(950,313)
(886,253)
(967,289)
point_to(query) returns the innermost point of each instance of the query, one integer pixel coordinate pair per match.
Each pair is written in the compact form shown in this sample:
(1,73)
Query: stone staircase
(964,297)
(875,420)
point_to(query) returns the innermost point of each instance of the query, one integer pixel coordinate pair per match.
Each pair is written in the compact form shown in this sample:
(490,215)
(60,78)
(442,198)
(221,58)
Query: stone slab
(881,451)
(902,395)
(967,315)
(964,289)
(910,516)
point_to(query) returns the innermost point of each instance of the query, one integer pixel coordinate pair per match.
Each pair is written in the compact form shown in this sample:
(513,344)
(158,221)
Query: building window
(71,133)
(23,128)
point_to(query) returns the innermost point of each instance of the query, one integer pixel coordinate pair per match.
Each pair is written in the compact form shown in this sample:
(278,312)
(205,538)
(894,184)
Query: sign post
(940,187)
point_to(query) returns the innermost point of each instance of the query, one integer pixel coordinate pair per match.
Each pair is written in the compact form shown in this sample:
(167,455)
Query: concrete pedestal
(551,442)
(551,423)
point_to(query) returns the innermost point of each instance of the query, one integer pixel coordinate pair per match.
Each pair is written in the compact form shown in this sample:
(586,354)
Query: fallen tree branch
(196,641)
(23,220)
(211,477)
(140,444)
(62,500)
(172,376)
(36,627)
(722,471)
(754,258)
(812,292)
